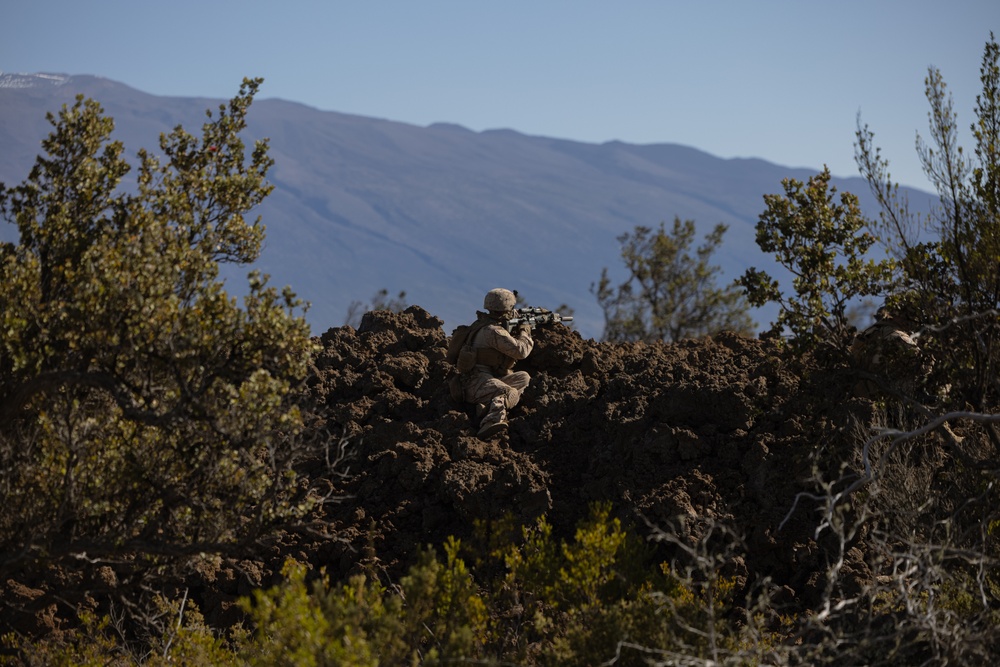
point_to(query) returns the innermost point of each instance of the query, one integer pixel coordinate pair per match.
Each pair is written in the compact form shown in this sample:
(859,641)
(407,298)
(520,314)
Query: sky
(779,80)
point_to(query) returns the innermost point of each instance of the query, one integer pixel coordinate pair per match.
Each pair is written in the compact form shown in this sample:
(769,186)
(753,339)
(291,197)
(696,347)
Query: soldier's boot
(488,430)
(495,421)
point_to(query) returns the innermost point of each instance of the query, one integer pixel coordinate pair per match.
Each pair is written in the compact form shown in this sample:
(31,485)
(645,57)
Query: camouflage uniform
(491,384)
(888,350)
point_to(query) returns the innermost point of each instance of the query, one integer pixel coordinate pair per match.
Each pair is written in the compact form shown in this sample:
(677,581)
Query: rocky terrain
(681,437)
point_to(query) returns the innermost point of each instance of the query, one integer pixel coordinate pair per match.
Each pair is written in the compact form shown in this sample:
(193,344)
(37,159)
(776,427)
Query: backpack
(460,351)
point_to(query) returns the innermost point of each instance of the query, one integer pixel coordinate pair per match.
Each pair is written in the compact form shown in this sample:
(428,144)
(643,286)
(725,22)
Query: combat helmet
(499,300)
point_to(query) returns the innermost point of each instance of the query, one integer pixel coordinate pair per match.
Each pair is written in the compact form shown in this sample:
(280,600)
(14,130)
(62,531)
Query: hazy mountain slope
(440,212)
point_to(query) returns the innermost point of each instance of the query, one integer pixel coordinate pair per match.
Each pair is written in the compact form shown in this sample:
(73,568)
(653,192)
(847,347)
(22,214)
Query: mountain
(440,212)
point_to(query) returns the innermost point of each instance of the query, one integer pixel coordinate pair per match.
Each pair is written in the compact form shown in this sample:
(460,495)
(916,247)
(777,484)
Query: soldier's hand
(524,328)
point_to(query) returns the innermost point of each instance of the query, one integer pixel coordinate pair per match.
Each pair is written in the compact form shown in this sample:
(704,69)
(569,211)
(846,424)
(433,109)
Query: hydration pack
(460,350)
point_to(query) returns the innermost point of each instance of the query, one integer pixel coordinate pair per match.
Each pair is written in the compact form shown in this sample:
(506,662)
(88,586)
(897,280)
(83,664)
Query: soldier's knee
(511,397)
(519,380)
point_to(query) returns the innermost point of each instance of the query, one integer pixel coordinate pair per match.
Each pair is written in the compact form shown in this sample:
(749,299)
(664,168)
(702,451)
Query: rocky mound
(682,437)
(717,430)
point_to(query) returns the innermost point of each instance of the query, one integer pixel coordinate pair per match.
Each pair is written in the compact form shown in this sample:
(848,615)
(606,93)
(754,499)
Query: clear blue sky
(779,80)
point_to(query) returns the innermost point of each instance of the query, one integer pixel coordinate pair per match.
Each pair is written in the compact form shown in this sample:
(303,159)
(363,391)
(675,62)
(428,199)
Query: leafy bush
(669,294)
(145,416)
(823,243)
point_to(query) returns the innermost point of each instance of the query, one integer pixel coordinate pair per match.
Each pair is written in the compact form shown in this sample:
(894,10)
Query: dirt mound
(711,430)
(682,437)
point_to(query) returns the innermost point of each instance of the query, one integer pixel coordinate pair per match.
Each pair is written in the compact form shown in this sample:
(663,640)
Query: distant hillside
(440,212)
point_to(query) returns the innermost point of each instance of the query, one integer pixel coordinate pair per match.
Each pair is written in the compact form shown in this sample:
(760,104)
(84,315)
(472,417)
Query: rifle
(534,317)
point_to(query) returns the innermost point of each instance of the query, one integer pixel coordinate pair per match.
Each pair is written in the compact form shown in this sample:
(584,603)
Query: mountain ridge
(441,212)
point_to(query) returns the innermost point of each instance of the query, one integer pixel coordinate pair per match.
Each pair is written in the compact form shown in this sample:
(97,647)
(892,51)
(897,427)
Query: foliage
(918,495)
(142,410)
(291,627)
(929,594)
(950,285)
(669,294)
(604,598)
(182,637)
(823,243)
(590,600)
(434,616)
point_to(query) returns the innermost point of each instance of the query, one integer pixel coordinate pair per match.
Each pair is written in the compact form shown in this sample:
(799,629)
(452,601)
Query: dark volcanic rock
(676,437)
(707,430)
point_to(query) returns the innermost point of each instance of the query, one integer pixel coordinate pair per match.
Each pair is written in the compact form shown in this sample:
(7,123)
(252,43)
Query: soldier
(888,349)
(491,385)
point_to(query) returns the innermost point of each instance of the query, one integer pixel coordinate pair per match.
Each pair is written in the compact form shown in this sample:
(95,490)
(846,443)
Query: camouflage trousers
(496,395)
